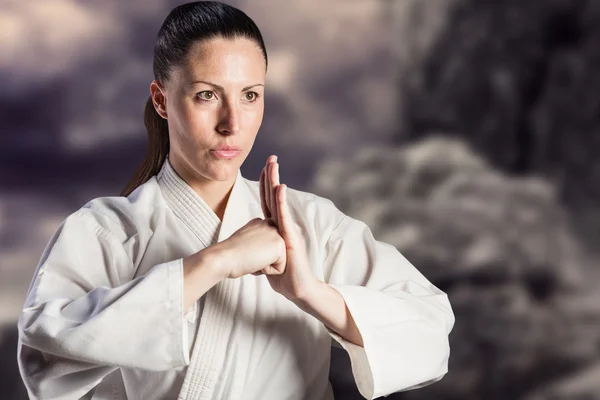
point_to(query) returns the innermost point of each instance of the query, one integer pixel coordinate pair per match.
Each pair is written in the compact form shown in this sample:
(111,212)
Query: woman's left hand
(297,280)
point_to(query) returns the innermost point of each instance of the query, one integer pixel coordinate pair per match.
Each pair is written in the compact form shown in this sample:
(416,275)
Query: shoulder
(123,217)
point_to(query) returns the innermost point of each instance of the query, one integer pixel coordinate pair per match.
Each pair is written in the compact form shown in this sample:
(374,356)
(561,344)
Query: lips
(226,148)
(226,154)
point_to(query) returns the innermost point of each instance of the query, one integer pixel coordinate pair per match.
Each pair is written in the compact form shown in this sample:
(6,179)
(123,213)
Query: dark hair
(184,26)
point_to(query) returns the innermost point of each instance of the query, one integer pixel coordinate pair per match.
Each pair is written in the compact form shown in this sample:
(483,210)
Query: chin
(223,172)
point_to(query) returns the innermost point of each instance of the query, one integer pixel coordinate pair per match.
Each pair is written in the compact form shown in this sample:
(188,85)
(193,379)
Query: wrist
(309,293)
(213,260)
(201,271)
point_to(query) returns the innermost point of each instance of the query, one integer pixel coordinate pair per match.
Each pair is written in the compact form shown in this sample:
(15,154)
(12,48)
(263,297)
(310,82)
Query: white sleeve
(404,320)
(84,317)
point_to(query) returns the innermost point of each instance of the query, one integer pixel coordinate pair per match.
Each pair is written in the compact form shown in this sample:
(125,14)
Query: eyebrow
(221,87)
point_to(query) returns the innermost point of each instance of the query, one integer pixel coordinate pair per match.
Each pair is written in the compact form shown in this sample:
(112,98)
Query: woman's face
(215,100)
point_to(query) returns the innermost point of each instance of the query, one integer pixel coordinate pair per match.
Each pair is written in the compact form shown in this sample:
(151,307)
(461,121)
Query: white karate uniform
(104,316)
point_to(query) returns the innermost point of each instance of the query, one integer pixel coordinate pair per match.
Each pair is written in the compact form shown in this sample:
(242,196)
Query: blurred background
(464,132)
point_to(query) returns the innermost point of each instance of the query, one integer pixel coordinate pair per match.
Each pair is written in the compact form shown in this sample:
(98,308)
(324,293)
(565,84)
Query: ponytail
(157,151)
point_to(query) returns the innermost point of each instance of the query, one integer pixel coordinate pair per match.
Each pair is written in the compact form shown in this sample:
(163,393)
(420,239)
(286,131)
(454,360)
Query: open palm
(297,277)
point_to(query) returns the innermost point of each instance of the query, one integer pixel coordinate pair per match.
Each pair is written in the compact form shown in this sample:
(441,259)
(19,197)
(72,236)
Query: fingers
(273,269)
(274,183)
(268,188)
(276,268)
(275,174)
(284,213)
(263,200)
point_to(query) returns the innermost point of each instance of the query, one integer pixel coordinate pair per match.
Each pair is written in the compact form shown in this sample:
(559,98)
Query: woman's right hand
(255,248)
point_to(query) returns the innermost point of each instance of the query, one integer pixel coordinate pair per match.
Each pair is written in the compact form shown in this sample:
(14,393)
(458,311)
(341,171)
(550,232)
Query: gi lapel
(188,205)
(216,323)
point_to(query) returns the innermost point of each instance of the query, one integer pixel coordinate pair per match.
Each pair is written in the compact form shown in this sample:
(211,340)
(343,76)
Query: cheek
(254,119)
(200,123)
(195,123)
(194,116)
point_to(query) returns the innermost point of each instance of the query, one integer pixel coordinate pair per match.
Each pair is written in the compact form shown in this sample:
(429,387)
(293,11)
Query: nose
(229,120)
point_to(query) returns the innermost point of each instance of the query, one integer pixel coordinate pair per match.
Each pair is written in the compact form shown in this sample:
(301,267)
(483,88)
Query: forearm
(201,271)
(328,306)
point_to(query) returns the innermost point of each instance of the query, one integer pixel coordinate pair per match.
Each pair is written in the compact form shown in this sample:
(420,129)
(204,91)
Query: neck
(214,193)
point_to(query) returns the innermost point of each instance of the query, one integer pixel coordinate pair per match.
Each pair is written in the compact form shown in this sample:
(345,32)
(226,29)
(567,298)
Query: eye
(251,96)
(206,95)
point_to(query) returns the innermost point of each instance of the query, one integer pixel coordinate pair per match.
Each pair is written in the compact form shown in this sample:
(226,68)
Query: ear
(158,98)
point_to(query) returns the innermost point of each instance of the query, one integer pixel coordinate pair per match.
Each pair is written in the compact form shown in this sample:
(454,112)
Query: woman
(200,284)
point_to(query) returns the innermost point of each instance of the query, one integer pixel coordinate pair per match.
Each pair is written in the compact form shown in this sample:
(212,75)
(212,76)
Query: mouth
(227,148)
(225,154)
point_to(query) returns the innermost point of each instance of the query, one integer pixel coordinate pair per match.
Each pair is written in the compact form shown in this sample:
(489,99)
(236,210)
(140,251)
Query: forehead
(225,61)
